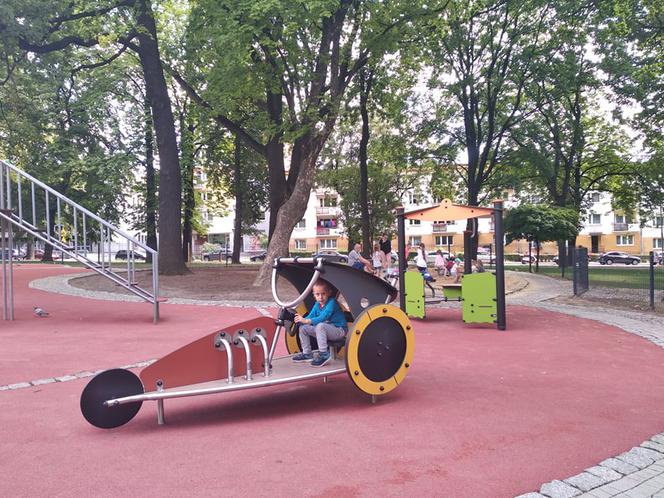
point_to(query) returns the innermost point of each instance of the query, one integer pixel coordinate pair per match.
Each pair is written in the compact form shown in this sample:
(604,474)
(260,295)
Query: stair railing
(27,202)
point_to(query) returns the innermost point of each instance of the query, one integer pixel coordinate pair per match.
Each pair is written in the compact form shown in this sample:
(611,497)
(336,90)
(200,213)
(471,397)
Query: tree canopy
(459,99)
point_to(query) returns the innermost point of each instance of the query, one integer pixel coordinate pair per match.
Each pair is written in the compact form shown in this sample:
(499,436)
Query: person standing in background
(386,246)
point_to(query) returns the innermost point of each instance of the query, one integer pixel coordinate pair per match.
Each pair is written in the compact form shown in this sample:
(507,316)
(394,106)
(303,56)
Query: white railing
(49,216)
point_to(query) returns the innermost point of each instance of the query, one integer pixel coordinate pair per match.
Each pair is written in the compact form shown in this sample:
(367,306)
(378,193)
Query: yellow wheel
(379,349)
(293,341)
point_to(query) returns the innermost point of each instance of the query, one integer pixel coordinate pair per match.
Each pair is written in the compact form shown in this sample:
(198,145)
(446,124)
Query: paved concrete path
(637,473)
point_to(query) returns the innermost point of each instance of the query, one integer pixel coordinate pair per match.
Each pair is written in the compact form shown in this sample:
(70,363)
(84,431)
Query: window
(300,244)
(623,219)
(594,197)
(301,224)
(328,201)
(625,240)
(658,243)
(415,241)
(444,240)
(658,221)
(412,198)
(414,222)
(594,219)
(327,244)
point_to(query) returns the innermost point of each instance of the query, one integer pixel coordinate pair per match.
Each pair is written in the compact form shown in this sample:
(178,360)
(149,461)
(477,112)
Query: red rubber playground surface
(482,413)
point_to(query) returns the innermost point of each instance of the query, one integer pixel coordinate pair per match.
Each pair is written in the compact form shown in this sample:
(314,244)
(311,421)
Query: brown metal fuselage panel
(200,361)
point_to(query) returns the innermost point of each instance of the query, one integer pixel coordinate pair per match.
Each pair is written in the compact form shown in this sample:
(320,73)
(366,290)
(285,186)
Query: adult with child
(386,246)
(356,260)
(325,321)
(378,260)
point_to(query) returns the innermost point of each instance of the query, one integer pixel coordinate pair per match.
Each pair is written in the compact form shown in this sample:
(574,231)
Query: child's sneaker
(301,357)
(323,359)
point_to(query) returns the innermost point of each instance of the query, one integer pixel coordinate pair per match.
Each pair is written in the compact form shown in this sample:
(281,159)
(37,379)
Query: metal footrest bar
(287,372)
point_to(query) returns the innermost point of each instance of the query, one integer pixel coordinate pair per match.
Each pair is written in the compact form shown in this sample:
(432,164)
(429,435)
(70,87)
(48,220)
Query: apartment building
(603,229)
(607,230)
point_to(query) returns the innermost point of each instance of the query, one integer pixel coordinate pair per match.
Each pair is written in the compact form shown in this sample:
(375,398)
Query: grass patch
(623,278)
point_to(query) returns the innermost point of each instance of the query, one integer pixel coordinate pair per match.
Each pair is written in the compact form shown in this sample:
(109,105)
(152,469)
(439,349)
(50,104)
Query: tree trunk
(171,261)
(239,201)
(365,88)
(471,233)
(189,201)
(150,185)
(277,193)
(292,210)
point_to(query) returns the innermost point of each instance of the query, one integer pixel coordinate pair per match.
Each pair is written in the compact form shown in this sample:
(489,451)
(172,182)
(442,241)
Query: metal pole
(501,318)
(3,254)
(34,205)
(155,286)
(401,244)
(48,216)
(76,232)
(652,280)
(2,182)
(10,238)
(20,198)
(575,273)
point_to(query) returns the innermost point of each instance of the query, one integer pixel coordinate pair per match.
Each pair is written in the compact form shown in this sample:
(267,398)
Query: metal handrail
(52,199)
(73,204)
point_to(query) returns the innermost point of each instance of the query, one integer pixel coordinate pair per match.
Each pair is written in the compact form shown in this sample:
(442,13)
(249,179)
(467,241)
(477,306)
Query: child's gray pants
(322,332)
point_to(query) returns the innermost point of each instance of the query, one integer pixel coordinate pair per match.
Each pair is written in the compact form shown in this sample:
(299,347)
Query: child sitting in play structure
(325,321)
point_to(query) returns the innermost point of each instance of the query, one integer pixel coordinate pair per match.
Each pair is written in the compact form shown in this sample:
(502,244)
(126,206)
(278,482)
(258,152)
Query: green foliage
(540,223)
(382,198)
(68,132)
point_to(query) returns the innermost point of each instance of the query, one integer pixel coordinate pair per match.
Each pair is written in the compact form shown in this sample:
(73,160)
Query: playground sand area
(222,283)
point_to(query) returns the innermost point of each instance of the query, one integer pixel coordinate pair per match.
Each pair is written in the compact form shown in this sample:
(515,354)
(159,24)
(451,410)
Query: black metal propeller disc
(111,384)
(382,349)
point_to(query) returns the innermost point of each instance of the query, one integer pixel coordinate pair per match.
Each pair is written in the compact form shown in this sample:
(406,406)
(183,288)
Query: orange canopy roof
(447,211)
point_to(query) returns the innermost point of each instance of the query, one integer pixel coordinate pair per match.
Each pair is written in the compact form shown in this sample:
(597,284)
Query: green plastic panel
(479,298)
(414,283)
(452,292)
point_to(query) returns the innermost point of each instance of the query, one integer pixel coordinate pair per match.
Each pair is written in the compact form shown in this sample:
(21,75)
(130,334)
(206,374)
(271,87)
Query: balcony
(327,231)
(439,227)
(621,227)
(326,211)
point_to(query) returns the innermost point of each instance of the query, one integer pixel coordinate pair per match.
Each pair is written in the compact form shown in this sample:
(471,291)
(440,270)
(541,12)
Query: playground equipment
(482,294)
(376,353)
(34,208)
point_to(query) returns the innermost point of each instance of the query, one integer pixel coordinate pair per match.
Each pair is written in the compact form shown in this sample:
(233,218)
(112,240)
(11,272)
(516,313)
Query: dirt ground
(219,283)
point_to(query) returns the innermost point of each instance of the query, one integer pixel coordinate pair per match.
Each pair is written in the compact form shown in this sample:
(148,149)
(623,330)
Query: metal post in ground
(652,280)
(501,317)
(3,254)
(575,273)
(401,244)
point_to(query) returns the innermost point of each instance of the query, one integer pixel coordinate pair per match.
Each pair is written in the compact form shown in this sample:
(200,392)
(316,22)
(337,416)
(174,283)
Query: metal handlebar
(317,271)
